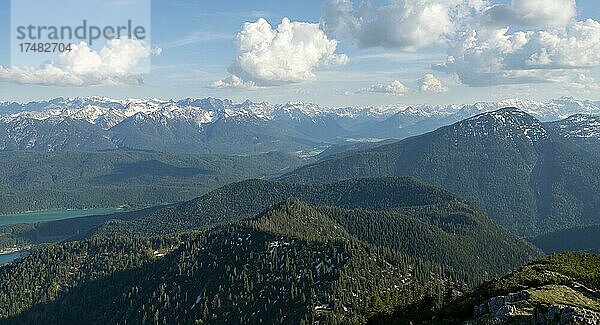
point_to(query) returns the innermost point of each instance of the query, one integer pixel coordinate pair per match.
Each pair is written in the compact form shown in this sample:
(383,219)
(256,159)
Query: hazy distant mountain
(221,126)
(577,239)
(528,178)
(53,133)
(32,180)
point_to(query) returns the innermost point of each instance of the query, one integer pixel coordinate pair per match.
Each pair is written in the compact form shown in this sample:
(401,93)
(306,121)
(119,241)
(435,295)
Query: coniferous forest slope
(583,238)
(291,263)
(237,274)
(528,178)
(402,214)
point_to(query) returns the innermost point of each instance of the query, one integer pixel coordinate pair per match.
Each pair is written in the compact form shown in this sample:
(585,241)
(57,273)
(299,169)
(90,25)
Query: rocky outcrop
(503,309)
(500,306)
(558,314)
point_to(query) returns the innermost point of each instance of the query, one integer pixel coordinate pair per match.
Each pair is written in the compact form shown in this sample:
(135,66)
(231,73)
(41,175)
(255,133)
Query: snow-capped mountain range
(207,110)
(222,126)
(579,126)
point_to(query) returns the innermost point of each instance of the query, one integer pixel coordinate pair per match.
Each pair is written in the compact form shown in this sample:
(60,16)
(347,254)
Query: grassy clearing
(558,294)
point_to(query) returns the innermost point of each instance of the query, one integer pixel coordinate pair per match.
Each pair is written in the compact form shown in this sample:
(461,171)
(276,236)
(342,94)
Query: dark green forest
(32,181)
(585,238)
(289,262)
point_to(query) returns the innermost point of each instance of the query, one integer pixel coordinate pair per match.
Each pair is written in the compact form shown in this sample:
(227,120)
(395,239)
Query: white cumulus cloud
(545,13)
(404,24)
(82,66)
(489,42)
(286,54)
(431,84)
(486,57)
(235,82)
(394,88)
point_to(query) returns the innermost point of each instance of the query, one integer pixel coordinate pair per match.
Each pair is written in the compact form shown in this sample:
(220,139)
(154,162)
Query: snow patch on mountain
(64,122)
(579,126)
(108,112)
(506,122)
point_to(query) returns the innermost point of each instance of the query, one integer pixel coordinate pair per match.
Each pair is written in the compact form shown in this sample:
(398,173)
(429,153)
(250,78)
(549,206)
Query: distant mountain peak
(582,126)
(504,113)
(509,122)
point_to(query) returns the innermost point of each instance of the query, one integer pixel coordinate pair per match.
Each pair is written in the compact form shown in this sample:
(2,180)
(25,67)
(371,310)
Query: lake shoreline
(12,250)
(55,215)
(8,258)
(8,214)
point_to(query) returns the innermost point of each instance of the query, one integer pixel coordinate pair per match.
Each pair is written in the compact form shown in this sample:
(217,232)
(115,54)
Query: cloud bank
(531,13)
(487,43)
(233,82)
(284,55)
(523,41)
(483,57)
(111,65)
(404,24)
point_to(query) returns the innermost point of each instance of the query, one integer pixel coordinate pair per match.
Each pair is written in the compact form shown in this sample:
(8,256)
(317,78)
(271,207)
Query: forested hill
(292,263)
(233,274)
(584,238)
(400,213)
(581,129)
(235,201)
(245,199)
(529,179)
(32,181)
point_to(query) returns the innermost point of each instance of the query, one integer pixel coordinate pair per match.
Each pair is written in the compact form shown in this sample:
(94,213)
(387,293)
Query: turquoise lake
(7,258)
(50,215)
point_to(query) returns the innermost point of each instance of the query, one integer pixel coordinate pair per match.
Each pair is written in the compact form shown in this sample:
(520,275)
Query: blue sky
(197,42)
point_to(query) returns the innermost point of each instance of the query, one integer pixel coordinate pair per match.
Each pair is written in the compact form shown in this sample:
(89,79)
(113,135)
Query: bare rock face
(559,314)
(505,312)
(502,310)
(500,306)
